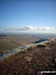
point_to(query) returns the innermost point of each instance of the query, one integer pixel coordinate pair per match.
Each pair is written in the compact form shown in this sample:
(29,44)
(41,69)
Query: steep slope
(31,62)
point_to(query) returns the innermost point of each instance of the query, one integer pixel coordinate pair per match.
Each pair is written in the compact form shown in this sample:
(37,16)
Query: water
(1,54)
(42,40)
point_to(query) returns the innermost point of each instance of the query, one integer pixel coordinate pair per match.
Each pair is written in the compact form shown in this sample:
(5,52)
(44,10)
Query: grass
(6,45)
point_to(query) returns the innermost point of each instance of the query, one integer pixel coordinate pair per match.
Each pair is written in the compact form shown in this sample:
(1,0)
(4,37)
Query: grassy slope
(6,45)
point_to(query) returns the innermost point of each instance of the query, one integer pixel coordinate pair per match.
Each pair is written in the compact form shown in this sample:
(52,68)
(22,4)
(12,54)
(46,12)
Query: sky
(28,15)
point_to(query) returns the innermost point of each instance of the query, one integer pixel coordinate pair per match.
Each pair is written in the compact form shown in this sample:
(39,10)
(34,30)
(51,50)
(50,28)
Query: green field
(6,45)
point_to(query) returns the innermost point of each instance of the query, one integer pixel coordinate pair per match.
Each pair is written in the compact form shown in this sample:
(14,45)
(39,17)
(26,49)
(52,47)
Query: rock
(55,60)
(48,48)
(41,46)
(37,61)
(28,58)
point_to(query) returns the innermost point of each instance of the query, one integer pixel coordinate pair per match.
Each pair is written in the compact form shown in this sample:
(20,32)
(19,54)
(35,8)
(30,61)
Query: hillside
(31,62)
(6,45)
(9,42)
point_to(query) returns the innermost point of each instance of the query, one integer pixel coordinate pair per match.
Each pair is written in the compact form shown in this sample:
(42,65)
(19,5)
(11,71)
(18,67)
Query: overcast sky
(28,15)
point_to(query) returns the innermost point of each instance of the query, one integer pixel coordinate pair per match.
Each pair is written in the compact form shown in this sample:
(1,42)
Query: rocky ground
(31,62)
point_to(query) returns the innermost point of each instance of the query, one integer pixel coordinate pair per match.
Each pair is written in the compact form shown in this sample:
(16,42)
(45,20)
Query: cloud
(39,28)
(45,28)
(31,29)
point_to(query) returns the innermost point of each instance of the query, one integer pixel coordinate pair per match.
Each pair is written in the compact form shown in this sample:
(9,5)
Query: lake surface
(41,40)
(1,54)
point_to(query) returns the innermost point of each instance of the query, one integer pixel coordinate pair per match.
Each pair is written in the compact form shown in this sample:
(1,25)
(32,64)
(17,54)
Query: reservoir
(41,40)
